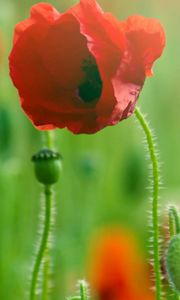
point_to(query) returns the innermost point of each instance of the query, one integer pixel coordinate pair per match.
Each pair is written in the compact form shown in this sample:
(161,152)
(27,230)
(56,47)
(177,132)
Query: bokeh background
(105,176)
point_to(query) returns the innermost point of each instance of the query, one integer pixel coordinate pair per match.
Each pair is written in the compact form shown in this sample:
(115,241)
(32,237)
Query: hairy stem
(174,228)
(49,137)
(83,290)
(43,243)
(155,195)
(174,221)
(45,287)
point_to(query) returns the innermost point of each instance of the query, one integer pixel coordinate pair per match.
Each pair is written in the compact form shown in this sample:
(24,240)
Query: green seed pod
(173,262)
(48,165)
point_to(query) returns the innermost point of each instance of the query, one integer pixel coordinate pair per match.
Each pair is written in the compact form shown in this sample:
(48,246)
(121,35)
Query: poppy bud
(173,262)
(47,166)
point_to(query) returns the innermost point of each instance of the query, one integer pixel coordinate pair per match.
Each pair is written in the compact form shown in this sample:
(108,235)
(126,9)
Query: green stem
(174,221)
(45,288)
(44,241)
(48,138)
(174,228)
(83,290)
(155,195)
(171,224)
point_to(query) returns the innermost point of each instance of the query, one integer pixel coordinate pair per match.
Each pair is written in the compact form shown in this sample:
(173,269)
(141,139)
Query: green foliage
(96,188)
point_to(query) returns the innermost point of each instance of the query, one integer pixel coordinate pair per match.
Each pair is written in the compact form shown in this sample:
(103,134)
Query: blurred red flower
(82,69)
(118,270)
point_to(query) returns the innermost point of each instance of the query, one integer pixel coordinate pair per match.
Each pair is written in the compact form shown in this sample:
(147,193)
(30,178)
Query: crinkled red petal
(105,41)
(146,39)
(42,12)
(65,53)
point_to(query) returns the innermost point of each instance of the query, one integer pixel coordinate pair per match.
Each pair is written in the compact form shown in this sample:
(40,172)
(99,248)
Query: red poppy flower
(82,69)
(118,270)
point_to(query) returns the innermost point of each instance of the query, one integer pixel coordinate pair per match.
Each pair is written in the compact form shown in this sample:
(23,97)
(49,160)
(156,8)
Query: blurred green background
(104,176)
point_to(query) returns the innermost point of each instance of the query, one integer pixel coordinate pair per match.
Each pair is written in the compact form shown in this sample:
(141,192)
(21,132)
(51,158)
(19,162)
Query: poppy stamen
(91,88)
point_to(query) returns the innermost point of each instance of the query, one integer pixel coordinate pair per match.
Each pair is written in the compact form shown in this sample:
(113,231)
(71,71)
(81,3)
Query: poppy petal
(42,12)
(66,52)
(146,39)
(106,42)
(103,37)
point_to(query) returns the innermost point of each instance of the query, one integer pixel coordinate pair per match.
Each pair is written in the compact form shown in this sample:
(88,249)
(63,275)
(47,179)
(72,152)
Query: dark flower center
(91,88)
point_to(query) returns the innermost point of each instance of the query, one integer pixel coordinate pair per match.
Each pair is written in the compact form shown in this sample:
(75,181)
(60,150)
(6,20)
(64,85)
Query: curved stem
(155,176)
(174,228)
(174,221)
(44,241)
(171,224)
